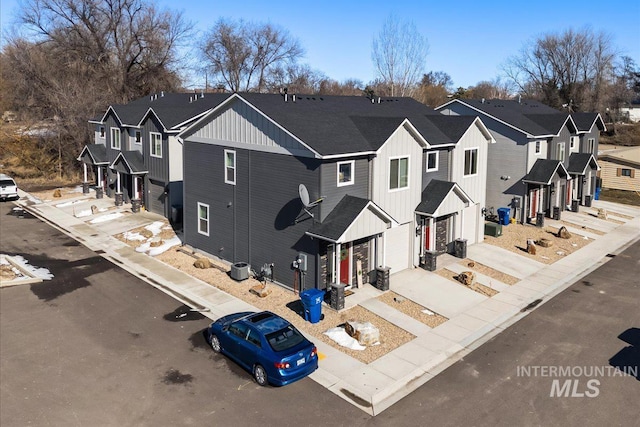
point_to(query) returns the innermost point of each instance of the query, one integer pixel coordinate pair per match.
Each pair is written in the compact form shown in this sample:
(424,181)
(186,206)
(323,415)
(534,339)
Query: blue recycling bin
(312,303)
(597,195)
(504,215)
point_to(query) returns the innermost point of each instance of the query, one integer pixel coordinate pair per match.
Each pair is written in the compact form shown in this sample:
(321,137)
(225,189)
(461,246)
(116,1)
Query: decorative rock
(602,213)
(147,234)
(563,233)
(531,247)
(466,278)
(545,243)
(7,273)
(155,242)
(57,193)
(260,290)
(364,332)
(202,263)
(471,264)
(94,209)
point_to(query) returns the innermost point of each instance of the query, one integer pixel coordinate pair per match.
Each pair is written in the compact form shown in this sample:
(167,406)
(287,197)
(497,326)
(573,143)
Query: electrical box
(302,261)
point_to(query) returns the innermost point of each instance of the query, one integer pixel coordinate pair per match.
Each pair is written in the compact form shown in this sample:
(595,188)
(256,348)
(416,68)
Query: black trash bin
(540,219)
(556,213)
(119,199)
(99,193)
(587,200)
(135,205)
(574,205)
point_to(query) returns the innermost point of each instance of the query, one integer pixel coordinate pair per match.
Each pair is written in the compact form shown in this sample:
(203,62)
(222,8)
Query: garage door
(155,197)
(398,247)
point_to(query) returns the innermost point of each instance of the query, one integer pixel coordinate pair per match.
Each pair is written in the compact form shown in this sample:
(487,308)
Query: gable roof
(96,153)
(543,171)
(435,193)
(527,116)
(578,163)
(129,162)
(345,215)
(586,121)
(627,156)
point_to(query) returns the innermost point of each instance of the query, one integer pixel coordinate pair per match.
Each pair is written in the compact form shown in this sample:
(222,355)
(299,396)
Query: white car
(8,187)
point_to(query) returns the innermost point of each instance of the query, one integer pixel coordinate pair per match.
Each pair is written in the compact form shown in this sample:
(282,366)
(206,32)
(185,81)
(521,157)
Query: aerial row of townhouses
(343,185)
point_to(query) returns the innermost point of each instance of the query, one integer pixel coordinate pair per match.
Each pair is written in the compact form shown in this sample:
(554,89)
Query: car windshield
(6,182)
(284,339)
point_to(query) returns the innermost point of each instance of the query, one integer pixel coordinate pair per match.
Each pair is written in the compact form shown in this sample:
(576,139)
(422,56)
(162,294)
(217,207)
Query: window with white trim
(345,173)
(573,142)
(538,147)
(470,161)
(398,173)
(102,132)
(137,137)
(433,158)
(203,219)
(230,167)
(591,145)
(560,151)
(155,142)
(115,138)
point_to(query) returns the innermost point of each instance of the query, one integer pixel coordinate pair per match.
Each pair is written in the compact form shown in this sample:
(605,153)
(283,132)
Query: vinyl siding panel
(474,185)
(555,142)
(329,184)
(611,179)
(158,167)
(443,172)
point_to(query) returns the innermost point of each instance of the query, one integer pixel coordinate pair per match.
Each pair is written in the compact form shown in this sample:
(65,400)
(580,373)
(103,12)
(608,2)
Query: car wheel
(215,343)
(260,375)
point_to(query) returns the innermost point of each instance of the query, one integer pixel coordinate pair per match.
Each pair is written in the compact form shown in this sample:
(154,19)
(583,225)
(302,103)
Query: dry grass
(412,309)
(475,286)
(514,238)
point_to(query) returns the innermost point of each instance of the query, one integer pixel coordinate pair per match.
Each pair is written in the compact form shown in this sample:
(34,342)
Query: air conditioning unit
(492,229)
(240,271)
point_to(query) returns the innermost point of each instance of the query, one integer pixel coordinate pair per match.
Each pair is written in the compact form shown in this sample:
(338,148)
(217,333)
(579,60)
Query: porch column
(118,182)
(85,183)
(136,194)
(100,184)
(118,196)
(384,250)
(84,170)
(337,262)
(432,234)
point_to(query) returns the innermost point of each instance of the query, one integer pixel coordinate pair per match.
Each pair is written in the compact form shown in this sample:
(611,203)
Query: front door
(427,238)
(345,256)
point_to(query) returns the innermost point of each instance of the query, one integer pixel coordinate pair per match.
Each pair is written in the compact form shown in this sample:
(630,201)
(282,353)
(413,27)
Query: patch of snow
(342,338)
(84,213)
(143,247)
(165,246)
(429,312)
(72,202)
(155,227)
(103,209)
(39,272)
(130,235)
(106,218)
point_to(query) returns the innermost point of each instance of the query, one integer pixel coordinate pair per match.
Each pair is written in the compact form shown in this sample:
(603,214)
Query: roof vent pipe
(162,94)
(293,97)
(378,100)
(482,101)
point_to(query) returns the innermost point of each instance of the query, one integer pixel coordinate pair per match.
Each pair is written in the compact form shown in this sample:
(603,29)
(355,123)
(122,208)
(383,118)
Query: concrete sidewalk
(473,318)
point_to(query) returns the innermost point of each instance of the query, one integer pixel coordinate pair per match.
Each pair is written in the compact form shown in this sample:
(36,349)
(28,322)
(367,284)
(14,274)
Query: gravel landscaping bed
(475,286)
(412,309)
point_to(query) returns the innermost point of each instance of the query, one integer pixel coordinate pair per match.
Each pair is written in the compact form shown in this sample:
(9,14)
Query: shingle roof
(578,163)
(543,170)
(340,218)
(529,116)
(433,195)
(133,160)
(585,121)
(97,154)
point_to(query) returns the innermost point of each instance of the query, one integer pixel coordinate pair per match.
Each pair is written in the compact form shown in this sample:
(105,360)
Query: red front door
(427,238)
(344,263)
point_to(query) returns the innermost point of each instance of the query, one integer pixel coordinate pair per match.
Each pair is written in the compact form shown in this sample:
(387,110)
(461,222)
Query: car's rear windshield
(284,339)
(5,182)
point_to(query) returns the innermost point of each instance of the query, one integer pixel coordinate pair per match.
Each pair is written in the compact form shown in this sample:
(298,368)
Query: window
(560,152)
(591,145)
(470,161)
(626,172)
(137,137)
(101,132)
(398,173)
(203,219)
(230,167)
(432,161)
(345,173)
(538,147)
(253,338)
(156,144)
(573,142)
(115,138)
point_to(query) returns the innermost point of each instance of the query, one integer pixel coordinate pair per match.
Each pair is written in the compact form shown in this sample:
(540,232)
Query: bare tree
(569,68)
(244,55)
(434,88)
(398,55)
(495,89)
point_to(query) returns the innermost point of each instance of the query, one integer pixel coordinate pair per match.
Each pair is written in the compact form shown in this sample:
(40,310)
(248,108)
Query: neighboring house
(620,168)
(136,155)
(343,184)
(631,112)
(543,159)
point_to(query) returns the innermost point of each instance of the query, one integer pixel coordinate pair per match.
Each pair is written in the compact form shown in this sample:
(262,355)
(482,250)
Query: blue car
(266,345)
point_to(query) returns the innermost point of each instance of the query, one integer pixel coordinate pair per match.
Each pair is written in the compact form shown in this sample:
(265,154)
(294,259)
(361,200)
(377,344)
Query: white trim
(135,134)
(152,145)
(435,168)
(464,166)
(537,148)
(561,147)
(233,167)
(102,132)
(352,164)
(207,219)
(393,190)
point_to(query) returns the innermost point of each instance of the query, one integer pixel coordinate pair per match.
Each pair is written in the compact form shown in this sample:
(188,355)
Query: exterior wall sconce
(505,177)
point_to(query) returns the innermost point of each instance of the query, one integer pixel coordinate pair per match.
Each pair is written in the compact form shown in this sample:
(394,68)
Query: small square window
(625,172)
(230,167)
(432,161)
(137,137)
(345,173)
(573,142)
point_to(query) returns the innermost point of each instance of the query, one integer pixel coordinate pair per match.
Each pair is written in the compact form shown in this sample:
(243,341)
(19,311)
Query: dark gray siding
(158,167)
(554,143)
(329,184)
(584,141)
(443,168)
(254,220)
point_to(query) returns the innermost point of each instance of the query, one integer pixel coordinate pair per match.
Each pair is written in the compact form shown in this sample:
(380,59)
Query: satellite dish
(304,195)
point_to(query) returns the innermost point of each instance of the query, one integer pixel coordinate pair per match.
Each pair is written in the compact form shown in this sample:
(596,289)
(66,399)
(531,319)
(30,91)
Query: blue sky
(469,40)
